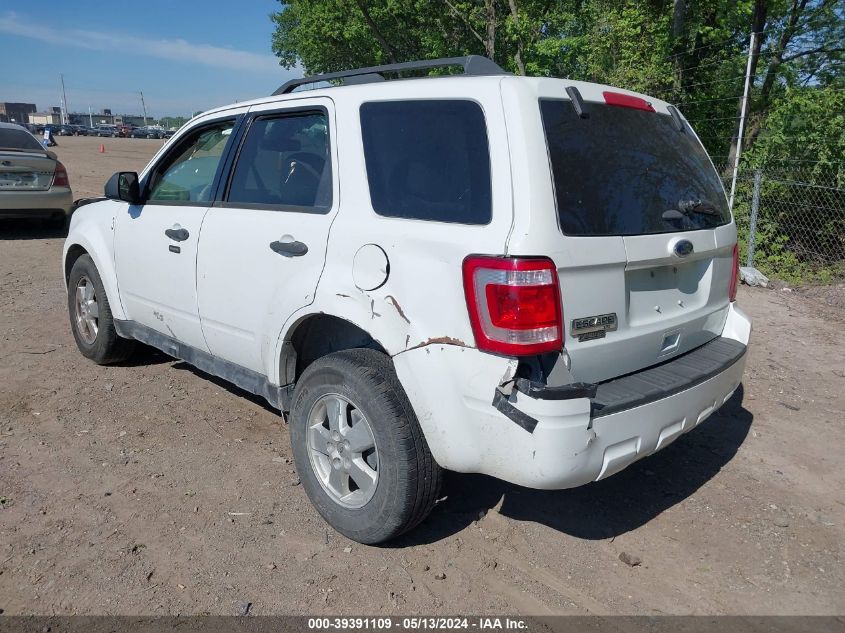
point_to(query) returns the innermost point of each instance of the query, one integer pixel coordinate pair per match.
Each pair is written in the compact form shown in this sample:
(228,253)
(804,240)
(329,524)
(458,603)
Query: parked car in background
(169,133)
(33,183)
(147,132)
(124,130)
(526,277)
(80,130)
(106,130)
(64,130)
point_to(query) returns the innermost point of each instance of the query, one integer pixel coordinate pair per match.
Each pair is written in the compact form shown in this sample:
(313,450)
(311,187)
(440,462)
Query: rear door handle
(289,249)
(177,235)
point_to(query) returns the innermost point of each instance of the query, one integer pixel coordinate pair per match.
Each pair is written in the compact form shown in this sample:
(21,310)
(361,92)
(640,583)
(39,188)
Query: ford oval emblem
(683,248)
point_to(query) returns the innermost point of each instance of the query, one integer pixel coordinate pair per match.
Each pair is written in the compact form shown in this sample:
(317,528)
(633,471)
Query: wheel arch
(315,335)
(74,252)
(91,234)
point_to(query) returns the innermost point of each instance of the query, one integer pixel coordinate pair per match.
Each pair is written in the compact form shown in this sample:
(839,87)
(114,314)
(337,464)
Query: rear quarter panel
(422,301)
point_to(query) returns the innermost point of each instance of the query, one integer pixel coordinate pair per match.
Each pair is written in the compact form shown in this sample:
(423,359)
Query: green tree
(692,53)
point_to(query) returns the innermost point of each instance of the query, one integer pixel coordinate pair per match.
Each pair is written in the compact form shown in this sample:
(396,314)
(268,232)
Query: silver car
(33,183)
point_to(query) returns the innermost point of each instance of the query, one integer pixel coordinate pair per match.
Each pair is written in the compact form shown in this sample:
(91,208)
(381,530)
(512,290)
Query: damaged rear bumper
(568,439)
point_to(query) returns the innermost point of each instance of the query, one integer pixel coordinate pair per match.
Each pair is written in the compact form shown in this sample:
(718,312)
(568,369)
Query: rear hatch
(24,164)
(644,254)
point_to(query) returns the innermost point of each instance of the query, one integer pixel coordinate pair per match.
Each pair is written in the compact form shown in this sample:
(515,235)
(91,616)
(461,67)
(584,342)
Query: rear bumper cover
(576,440)
(32,204)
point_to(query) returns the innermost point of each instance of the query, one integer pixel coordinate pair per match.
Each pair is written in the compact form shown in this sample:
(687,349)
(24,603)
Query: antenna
(143,107)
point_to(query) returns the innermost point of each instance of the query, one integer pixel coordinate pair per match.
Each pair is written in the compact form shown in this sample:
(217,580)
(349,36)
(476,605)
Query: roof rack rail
(472,65)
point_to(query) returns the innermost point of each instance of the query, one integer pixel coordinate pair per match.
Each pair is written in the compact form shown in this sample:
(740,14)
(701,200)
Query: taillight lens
(626,101)
(734,274)
(514,304)
(60,178)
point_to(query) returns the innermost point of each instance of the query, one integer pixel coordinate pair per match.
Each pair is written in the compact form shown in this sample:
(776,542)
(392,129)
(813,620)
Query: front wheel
(359,449)
(91,318)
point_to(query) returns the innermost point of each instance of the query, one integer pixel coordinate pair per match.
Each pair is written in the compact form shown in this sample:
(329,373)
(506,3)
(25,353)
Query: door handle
(289,249)
(177,235)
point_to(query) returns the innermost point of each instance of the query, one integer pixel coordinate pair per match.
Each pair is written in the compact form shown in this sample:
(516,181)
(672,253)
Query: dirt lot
(151,488)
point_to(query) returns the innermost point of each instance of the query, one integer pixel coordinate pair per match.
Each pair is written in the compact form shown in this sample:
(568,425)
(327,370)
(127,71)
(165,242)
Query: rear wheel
(358,447)
(91,318)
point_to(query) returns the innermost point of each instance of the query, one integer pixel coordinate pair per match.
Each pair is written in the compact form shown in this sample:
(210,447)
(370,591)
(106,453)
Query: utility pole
(64,101)
(90,119)
(742,116)
(143,107)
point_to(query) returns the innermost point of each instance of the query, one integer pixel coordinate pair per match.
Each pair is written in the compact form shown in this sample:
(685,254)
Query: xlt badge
(592,327)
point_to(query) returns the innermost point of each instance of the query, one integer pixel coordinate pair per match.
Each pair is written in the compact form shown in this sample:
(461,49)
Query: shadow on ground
(146,355)
(602,509)
(13,229)
(225,385)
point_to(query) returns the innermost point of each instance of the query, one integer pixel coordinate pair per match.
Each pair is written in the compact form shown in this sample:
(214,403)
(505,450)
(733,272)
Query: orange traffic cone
(102,148)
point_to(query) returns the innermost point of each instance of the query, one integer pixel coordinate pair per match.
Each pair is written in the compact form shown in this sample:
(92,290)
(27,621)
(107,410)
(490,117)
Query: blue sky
(185,55)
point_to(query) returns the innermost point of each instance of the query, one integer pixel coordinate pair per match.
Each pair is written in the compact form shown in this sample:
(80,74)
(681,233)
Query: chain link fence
(791,221)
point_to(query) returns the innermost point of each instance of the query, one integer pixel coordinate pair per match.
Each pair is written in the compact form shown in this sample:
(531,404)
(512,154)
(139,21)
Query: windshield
(622,171)
(19,139)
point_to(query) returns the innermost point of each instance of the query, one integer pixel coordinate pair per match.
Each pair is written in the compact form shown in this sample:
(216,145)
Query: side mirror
(124,186)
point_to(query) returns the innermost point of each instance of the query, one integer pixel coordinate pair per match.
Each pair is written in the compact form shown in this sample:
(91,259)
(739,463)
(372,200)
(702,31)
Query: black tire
(107,347)
(408,477)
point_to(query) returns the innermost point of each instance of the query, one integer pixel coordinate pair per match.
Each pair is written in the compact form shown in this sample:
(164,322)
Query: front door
(263,245)
(156,242)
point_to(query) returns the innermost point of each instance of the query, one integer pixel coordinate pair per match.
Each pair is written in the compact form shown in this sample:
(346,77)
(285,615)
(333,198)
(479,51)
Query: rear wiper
(689,208)
(697,206)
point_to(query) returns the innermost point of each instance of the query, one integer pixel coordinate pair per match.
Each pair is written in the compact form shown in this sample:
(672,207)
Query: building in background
(45,118)
(16,112)
(27,113)
(53,117)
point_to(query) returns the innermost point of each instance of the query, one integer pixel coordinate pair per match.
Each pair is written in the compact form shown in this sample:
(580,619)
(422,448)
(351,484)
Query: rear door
(263,245)
(644,238)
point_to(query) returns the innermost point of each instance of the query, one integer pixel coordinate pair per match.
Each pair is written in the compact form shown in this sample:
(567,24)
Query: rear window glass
(427,160)
(11,138)
(628,172)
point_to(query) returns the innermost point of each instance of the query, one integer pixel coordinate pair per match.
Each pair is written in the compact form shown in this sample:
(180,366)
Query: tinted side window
(186,175)
(284,161)
(428,160)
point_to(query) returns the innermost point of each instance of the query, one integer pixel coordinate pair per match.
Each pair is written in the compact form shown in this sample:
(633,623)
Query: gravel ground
(151,488)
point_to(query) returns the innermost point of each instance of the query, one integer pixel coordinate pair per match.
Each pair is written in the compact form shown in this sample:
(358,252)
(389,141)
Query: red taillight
(60,178)
(626,101)
(734,274)
(514,304)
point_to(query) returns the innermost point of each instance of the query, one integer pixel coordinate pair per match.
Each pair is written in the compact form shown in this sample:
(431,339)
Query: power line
(722,118)
(680,103)
(702,83)
(698,48)
(742,56)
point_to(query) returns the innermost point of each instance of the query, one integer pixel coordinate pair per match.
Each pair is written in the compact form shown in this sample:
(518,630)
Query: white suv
(530,278)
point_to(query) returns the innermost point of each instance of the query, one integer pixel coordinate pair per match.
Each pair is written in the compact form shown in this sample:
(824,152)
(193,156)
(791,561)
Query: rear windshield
(11,138)
(622,171)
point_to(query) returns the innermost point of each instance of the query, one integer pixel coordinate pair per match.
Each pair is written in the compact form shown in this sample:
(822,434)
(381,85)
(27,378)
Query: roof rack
(472,64)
